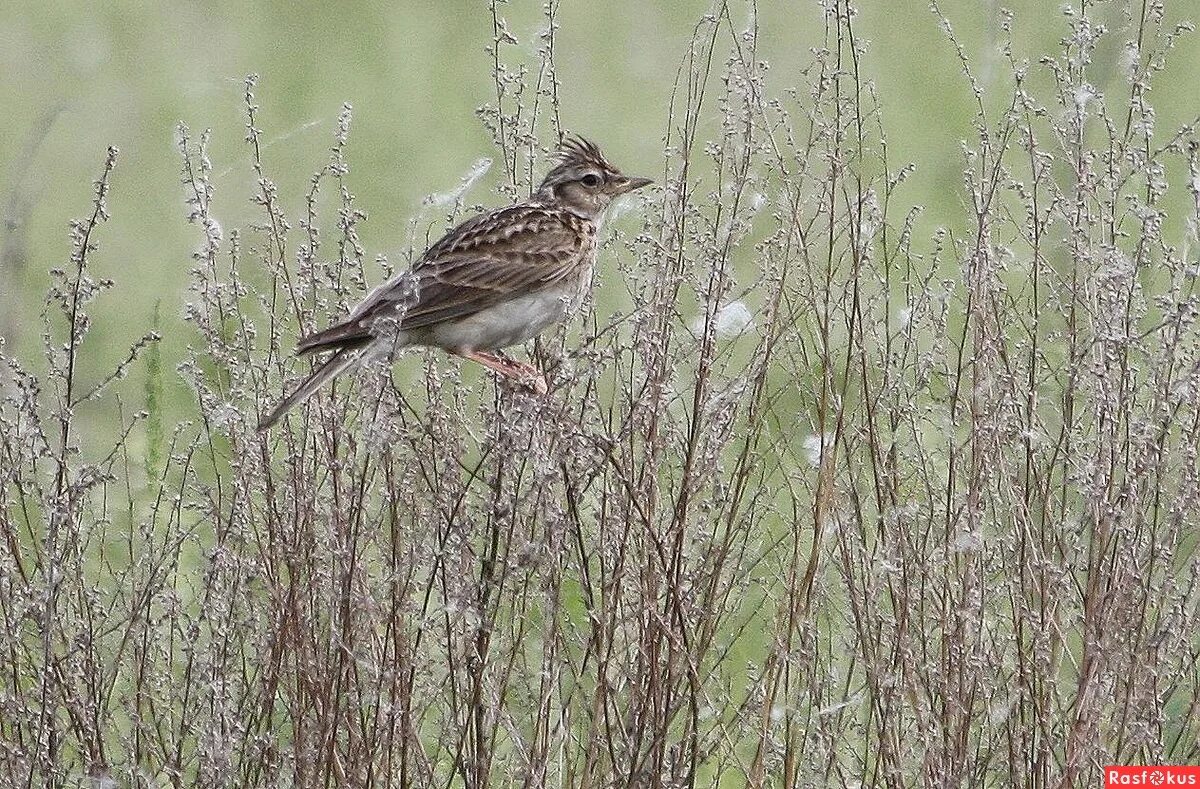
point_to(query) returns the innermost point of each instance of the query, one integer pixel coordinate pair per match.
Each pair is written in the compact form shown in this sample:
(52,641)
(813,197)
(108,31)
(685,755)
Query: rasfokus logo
(1151,775)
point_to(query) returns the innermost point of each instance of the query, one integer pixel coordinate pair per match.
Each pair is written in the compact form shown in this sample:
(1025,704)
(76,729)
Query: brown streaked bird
(494,281)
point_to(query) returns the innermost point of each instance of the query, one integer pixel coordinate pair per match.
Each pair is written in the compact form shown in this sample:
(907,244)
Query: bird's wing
(482,262)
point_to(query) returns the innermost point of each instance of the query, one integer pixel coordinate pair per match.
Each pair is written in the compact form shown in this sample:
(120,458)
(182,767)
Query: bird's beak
(631,184)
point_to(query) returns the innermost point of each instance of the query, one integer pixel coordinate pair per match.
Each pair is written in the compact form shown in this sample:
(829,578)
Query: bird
(496,280)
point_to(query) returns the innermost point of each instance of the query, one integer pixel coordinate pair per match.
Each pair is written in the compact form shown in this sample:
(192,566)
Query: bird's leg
(525,374)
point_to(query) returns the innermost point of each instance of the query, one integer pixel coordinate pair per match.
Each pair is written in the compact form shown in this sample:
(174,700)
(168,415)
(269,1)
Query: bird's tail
(335,365)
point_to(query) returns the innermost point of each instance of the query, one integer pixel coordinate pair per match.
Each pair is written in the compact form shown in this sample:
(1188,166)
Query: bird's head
(584,181)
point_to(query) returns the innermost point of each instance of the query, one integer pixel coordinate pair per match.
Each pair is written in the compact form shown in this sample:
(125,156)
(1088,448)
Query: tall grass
(812,500)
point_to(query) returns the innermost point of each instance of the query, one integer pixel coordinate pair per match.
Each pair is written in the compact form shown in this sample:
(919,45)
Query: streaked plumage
(496,280)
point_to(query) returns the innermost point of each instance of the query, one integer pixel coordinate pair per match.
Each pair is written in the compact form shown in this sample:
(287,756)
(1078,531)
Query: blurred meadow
(81,77)
(874,462)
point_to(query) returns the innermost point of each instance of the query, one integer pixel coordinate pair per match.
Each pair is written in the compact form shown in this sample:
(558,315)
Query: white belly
(509,323)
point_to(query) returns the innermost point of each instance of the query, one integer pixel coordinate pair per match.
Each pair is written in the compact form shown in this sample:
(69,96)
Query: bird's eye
(591,180)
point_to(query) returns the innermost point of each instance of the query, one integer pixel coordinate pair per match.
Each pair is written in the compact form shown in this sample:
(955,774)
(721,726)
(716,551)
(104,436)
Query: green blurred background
(79,76)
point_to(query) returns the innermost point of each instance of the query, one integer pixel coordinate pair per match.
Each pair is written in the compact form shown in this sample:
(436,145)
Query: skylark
(494,281)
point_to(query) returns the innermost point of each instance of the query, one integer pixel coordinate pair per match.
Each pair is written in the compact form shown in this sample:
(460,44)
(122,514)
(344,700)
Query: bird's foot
(525,375)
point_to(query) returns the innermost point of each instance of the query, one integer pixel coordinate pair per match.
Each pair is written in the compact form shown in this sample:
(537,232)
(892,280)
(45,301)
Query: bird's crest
(575,150)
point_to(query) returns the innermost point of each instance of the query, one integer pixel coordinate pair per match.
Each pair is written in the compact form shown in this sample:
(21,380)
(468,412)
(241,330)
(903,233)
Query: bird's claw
(520,373)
